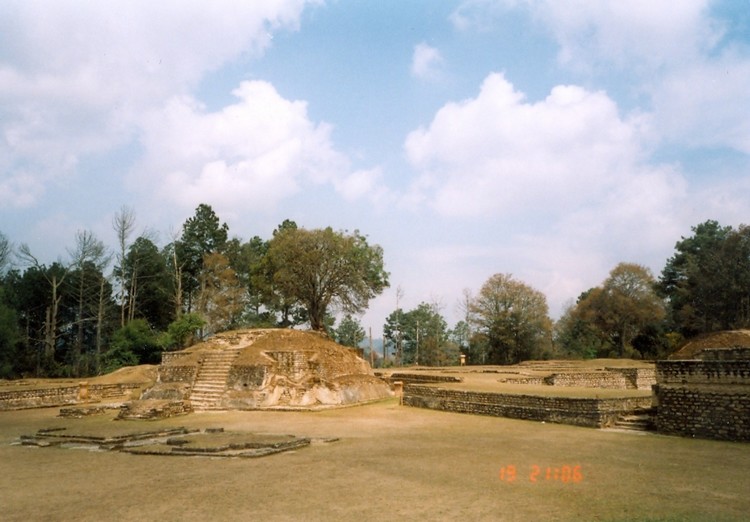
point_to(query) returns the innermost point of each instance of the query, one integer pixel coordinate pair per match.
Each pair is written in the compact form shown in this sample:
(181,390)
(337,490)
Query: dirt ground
(391,463)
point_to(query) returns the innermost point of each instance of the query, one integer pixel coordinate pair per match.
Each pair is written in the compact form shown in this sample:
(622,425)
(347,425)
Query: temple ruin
(265,369)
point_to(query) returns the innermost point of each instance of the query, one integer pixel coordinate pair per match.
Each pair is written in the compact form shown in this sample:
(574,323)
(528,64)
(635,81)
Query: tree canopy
(73,317)
(420,336)
(322,269)
(607,319)
(349,332)
(512,319)
(707,281)
(202,234)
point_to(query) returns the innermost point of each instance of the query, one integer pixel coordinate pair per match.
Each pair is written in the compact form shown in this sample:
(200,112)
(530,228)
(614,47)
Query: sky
(547,139)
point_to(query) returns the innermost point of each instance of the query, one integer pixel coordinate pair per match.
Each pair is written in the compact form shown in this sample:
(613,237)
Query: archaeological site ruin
(701,391)
(265,369)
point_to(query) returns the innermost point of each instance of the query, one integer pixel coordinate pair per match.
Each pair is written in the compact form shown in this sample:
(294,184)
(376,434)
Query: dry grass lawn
(391,463)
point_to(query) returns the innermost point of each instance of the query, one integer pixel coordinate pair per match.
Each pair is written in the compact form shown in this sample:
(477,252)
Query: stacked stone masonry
(415,378)
(174,373)
(703,412)
(610,378)
(588,412)
(708,398)
(62,395)
(688,372)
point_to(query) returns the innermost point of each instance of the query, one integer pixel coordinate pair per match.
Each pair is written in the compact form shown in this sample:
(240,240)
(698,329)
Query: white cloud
(496,154)
(360,184)
(675,52)
(426,61)
(74,81)
(253,153)
(478,15)
(569,172)
(637,33)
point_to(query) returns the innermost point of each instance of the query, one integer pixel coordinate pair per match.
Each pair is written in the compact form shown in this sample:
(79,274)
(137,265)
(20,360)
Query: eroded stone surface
(180,441)
(267,369)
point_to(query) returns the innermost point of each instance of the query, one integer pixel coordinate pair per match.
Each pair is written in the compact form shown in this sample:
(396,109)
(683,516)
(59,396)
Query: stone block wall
(609,380)
(38,398)
(638,378)
(720,354)
(695,372)
(595,413)
(246,377)
(108,391)
(417,378)
(536,381)
(170,357)
(707,398)
(62,395)
(293,364)
(174,373)
(705,412)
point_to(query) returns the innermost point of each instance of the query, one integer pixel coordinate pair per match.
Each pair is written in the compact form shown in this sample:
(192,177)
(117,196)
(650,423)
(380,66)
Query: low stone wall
(171,357)
(38,398)
(106,391)
(595,413)
(608,380)
(536,381)
(175,373)
(688,372)
(153,409)
(246,377)
(423,378)
(638,378)
(708,398)
(711,412)
(724,354)
(62,395)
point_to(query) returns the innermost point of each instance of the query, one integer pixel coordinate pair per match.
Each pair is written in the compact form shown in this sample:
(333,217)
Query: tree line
(78,317)
(101,308)
(704,287)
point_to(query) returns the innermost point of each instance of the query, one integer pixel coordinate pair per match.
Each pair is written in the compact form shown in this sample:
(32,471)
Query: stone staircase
(641,419)
(211,381)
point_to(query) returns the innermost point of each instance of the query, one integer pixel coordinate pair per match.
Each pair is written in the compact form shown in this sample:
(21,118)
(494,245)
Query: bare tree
(50,321)
(399,333)
(123,222)
(6,250)
(89,253)
(177,267)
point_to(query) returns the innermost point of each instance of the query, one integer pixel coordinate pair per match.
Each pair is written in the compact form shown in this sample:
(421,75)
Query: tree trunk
(79,334)
(177,286)
(99,321)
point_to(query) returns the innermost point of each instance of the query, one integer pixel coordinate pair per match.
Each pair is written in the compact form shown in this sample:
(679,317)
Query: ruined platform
(266,369)
(210,442)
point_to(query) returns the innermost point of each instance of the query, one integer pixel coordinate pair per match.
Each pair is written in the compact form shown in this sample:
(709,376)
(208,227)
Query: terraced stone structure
(705,391)
(266,369)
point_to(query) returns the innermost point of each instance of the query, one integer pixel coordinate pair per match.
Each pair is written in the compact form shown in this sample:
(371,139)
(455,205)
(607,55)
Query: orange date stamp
(566,474)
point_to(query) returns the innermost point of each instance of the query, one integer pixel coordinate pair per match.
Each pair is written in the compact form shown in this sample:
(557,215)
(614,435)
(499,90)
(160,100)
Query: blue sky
(548,139)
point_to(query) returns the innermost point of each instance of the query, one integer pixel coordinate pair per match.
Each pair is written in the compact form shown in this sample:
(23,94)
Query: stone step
(211,375)
(203,400)
(211,381)
(205,397)
(636,422)
(208,386)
